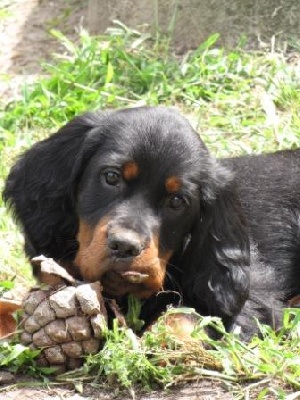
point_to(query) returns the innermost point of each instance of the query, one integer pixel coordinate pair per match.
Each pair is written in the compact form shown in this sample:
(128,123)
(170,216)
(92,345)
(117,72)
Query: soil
(203,390)
(25,41)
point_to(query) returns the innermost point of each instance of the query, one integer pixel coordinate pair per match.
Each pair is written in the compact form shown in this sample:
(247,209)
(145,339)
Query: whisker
(174,283)
(175,267)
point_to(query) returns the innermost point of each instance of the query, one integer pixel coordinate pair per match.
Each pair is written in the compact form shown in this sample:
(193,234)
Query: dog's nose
(125,244)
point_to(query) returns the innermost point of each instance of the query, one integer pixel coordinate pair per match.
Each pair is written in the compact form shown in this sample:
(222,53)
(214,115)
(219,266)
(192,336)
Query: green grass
(159,358)
(266,365)
(240,102)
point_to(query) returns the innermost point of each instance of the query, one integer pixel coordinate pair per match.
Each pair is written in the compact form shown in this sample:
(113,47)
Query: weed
(160,359)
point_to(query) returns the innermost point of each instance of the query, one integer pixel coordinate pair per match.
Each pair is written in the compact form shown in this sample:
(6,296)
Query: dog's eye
(112,178)
(176,202)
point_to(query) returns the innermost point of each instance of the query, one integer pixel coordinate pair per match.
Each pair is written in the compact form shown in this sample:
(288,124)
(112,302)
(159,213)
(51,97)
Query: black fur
(232,227)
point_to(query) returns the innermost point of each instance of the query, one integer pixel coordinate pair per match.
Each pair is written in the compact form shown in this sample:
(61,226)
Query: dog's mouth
(142,285)
(140,276)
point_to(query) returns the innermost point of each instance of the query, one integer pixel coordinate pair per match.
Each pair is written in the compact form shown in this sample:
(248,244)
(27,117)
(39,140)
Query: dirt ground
(25,42)
(203,390)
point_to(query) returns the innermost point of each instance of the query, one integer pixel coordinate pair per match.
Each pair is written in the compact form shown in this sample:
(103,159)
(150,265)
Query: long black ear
(216,263)
(40,190)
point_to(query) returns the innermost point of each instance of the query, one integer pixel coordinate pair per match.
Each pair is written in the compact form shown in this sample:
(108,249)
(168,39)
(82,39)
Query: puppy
(134,199)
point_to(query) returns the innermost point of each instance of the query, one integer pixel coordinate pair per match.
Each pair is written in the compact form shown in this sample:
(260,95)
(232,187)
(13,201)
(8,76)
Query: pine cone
(65,322)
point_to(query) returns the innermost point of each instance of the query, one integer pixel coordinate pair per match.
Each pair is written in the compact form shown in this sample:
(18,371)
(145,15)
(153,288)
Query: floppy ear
(216,262)
(40,190)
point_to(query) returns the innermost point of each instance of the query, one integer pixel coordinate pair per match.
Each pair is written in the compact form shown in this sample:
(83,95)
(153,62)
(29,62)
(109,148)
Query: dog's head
(115,196)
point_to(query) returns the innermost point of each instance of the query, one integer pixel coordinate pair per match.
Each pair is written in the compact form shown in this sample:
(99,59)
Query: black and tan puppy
(133,198)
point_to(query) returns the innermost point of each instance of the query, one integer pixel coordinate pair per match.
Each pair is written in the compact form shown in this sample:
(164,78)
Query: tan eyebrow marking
(173,184)
(131,170)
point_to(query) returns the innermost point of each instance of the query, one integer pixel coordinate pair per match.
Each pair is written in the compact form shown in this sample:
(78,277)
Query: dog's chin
(116,284)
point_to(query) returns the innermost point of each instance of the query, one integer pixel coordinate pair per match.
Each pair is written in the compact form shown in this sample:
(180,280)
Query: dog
(133,198)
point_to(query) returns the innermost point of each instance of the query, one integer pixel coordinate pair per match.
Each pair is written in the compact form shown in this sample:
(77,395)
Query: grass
(266,365)
(241,102)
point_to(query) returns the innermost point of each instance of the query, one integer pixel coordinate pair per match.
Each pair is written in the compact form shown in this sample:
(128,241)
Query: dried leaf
(49,266)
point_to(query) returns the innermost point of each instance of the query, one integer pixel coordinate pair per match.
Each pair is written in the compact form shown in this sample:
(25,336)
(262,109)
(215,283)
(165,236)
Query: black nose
(125,244)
